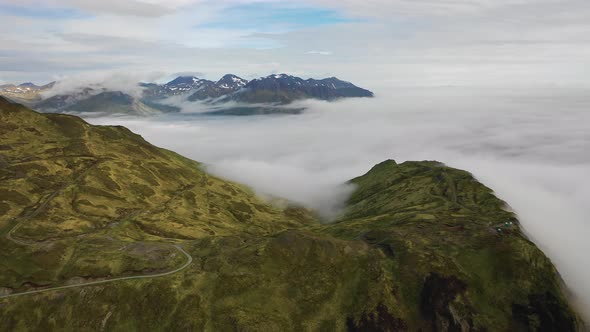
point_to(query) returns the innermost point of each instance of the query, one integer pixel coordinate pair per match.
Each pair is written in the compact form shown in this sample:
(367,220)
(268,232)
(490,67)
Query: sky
(375,43)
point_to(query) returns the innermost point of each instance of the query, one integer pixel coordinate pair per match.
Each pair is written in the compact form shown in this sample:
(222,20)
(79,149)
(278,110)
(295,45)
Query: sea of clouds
(531,146)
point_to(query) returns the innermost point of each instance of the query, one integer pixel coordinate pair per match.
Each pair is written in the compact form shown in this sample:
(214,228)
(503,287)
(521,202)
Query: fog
(531,146)
(102,81)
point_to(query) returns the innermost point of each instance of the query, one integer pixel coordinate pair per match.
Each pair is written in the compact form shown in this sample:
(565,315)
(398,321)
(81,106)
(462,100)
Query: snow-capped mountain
(226,86)
(288,81)
(25,93)
(284,89)
(178,86)
(24,88)
(273,90)
(183,84)
(231,82)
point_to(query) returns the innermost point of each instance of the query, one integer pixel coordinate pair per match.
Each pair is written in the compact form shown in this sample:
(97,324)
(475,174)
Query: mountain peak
(230,76)
(49,85)
(231,81)
(280,76)
(28,85)
(183,84)
(186,80)
(284,88)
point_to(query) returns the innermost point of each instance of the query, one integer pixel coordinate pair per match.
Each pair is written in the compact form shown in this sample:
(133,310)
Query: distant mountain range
(270,94)
(25,87)
(226,86)
(284,89)
(26,93)
(280,89)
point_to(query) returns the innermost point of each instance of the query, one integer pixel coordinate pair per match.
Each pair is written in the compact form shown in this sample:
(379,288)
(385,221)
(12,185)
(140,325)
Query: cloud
(397,42)
(421,8)
(220,104)
(283,180)
(319,52)
(529,145)
(102,80)
(126,8)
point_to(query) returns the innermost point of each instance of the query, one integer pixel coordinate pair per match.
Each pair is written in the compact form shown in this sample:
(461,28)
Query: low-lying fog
(531,147)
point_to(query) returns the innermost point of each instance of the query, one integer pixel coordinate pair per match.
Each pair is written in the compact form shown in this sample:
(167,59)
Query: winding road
(42,206)
(145,276)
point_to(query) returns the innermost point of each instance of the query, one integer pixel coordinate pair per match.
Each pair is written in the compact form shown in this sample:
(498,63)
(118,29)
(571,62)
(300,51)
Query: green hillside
(420,246)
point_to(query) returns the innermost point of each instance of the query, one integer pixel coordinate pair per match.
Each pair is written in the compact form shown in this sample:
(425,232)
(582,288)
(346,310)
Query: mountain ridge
(259,96)
(284,89)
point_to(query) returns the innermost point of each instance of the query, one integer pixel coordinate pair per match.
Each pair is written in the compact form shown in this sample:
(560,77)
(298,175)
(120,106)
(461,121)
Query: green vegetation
(420,245)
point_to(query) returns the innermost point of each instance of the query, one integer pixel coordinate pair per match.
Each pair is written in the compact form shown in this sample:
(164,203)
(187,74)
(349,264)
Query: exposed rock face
(380,320)
(441,302)
(543,312)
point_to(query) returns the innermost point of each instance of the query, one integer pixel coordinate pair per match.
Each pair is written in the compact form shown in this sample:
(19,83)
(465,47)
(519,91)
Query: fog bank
(531,146)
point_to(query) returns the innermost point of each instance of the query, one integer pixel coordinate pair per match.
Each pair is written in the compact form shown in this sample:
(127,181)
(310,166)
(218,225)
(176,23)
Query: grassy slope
(457,255)
(418,246)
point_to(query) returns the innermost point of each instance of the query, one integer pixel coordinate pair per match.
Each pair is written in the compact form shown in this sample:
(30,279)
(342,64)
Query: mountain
(230,95)
(25,87)
(111,103)
(184,84)
(231,82)
(226,86)
(273,89)
(29,85)
(61,102)
(26,93)
(92,101)
(178,86)
(284,89)
(104,231)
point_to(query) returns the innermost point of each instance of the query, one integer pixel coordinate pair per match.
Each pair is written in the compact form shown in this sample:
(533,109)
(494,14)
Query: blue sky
(40,12)
(264,17)
(256,17)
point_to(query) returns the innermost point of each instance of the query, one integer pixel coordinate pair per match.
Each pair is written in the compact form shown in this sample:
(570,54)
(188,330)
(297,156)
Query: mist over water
(531,146)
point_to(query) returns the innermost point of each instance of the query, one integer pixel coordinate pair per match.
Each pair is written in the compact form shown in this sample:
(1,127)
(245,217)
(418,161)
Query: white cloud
(471,42)
(319,52)
(421,8)
(127,7)
(109,81)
